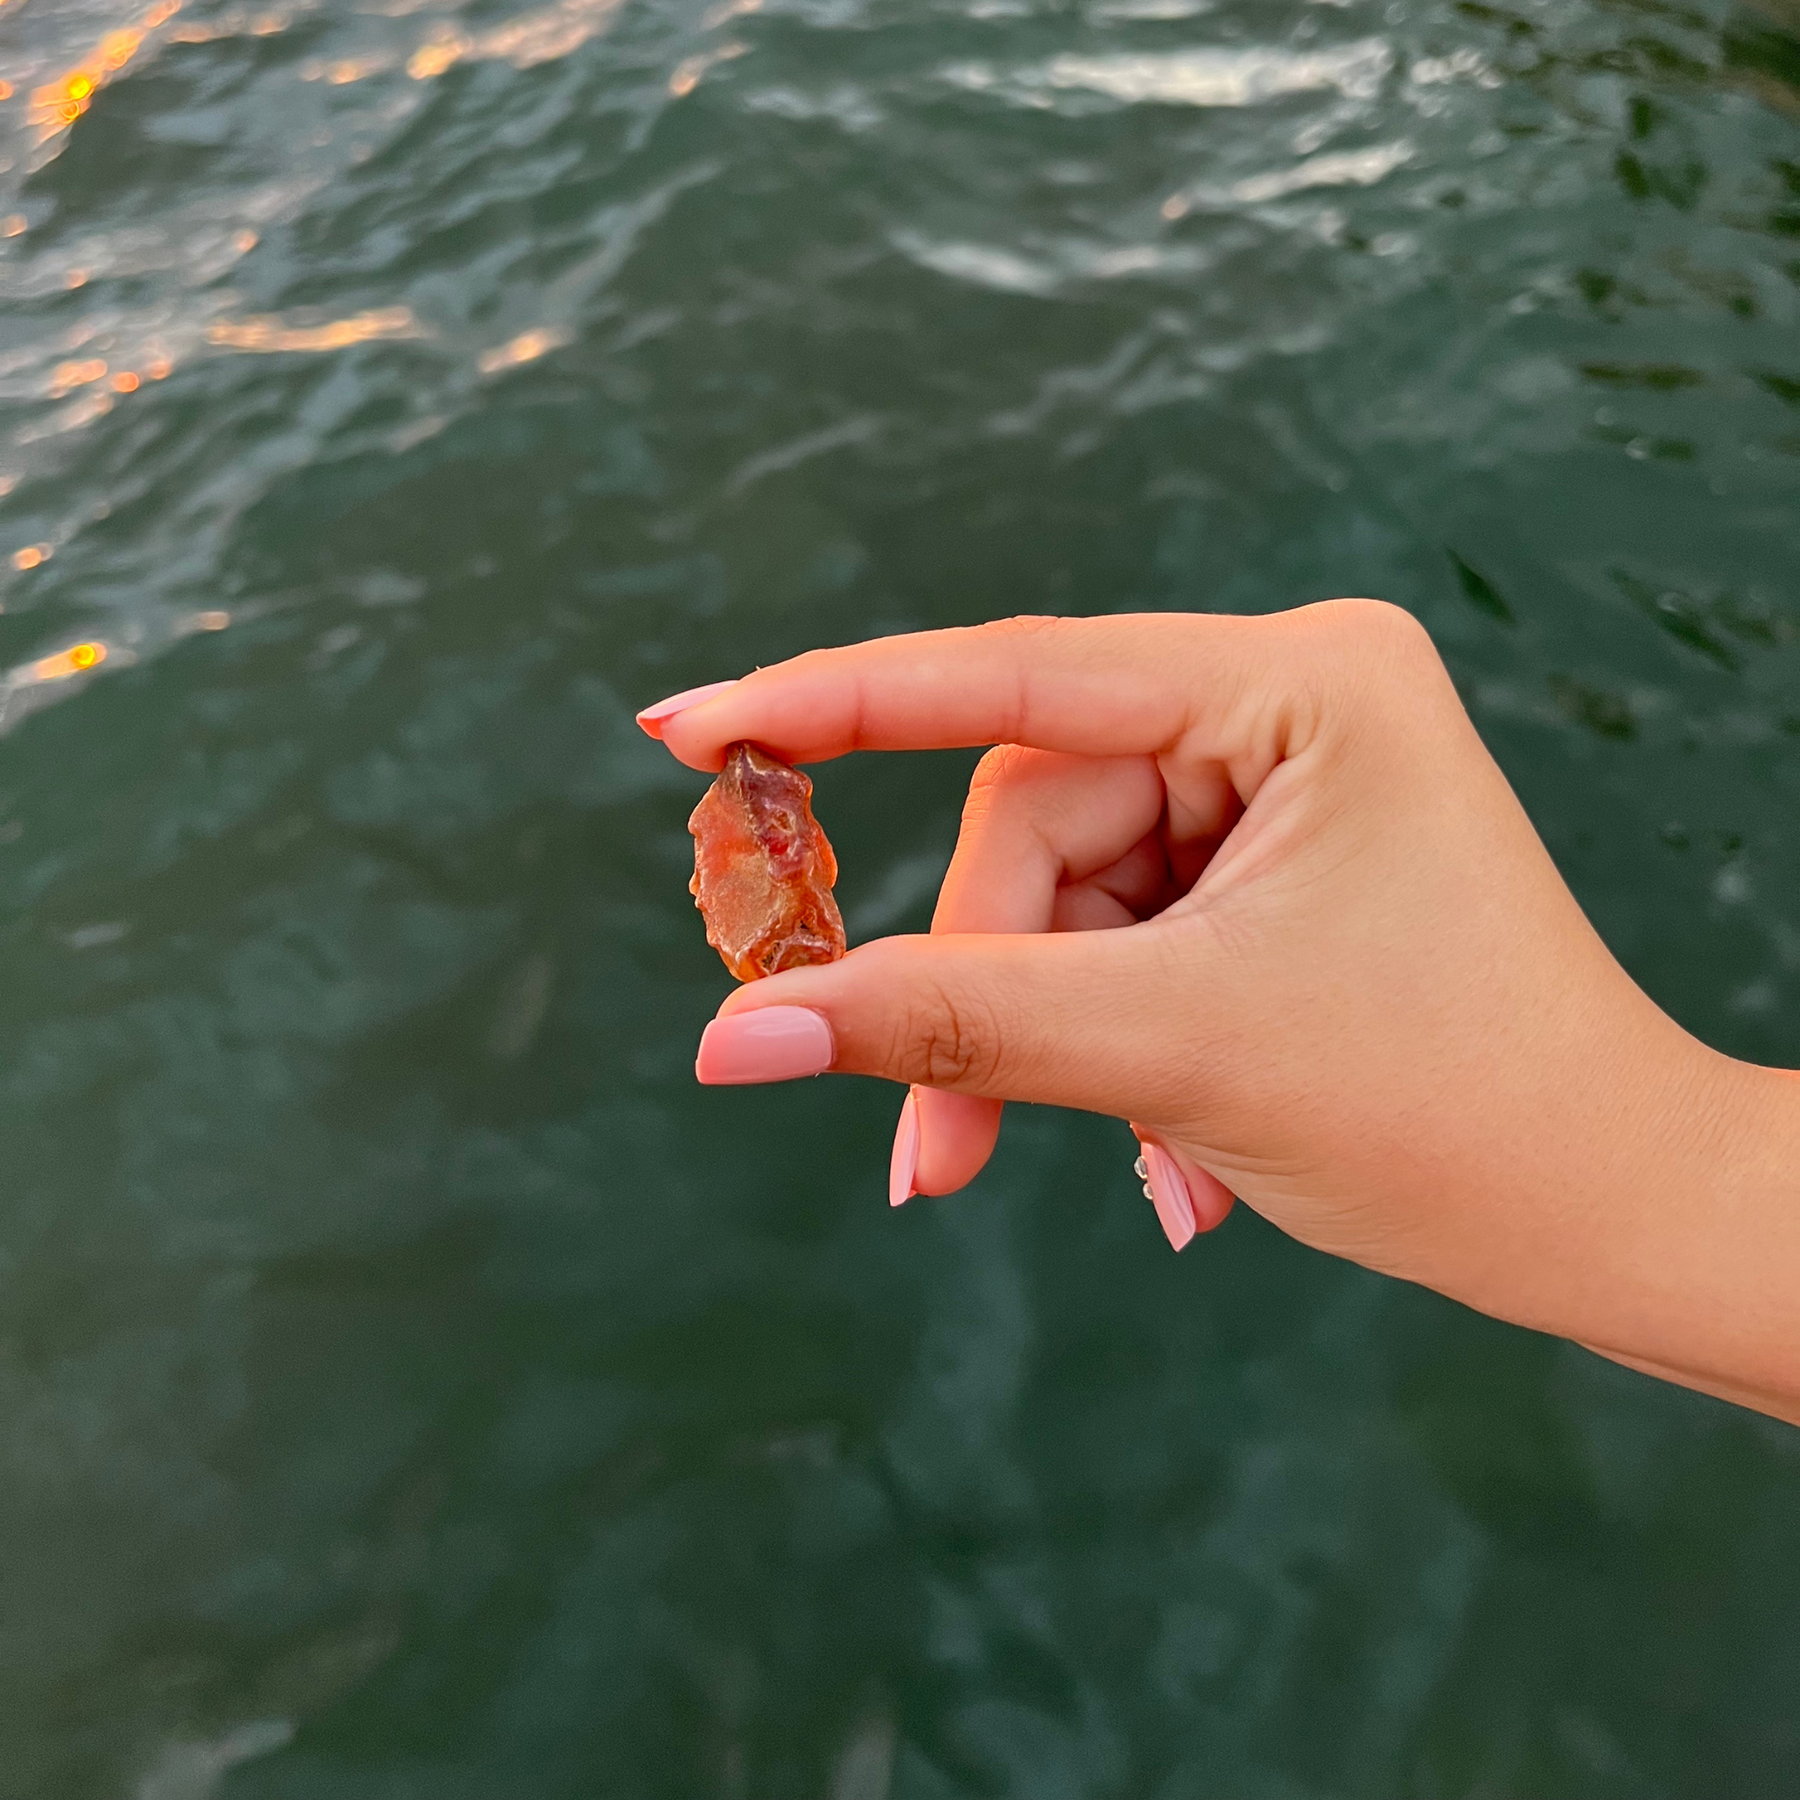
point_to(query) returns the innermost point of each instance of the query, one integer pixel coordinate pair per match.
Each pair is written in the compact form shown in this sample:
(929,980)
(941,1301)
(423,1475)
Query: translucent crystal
(763,868)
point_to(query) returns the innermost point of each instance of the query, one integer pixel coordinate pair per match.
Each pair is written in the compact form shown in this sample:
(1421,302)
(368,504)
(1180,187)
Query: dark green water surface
(412,1387)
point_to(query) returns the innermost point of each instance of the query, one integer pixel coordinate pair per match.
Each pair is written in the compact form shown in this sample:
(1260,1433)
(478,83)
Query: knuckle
(1384,627)
(950,1042)
(1379,654)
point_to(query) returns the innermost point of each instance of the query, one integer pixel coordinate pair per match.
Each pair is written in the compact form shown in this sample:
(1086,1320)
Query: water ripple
(1198,77)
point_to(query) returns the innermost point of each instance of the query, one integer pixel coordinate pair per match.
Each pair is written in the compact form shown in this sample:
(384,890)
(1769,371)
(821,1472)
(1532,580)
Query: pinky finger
(1188,1199)
(943,1142)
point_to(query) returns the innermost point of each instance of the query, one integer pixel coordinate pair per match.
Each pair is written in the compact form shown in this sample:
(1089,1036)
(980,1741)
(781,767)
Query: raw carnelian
(763,868)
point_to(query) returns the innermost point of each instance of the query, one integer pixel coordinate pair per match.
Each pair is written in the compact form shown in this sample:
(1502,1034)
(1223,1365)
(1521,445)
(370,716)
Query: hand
(1256,886)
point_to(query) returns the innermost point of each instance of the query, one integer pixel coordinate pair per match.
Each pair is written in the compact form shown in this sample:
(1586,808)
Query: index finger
(1123,685)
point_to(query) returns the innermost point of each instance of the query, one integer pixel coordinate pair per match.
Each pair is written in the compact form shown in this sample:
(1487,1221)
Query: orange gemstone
(763,868)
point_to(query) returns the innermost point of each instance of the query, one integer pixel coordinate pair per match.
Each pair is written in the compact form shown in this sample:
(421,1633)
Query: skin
(1257,887)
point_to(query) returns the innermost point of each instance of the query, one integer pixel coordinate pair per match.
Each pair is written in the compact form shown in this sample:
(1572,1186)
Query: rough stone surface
(763,868)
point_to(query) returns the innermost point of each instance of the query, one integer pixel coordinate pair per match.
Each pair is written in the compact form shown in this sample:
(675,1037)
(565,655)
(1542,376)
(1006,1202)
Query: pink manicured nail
(774,1043)
(1209,1200)
(1167,1191)
(904,1164)
(652,716)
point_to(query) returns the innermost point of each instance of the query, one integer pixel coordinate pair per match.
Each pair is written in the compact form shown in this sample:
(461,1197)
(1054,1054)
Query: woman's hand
(1255,885)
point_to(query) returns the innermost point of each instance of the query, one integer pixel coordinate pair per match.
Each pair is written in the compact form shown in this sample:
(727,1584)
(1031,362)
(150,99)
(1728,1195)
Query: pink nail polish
(1209,1200)
(1167,1191)
(903,1166)
(652,716)
(773,1043)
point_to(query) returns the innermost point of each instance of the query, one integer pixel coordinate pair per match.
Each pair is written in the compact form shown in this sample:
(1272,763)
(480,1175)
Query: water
(414,1388)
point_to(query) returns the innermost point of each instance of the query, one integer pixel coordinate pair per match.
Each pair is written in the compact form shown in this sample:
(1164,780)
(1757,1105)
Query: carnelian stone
(763,868)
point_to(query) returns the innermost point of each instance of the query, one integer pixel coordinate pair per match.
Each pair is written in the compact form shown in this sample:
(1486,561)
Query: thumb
(1080,1019)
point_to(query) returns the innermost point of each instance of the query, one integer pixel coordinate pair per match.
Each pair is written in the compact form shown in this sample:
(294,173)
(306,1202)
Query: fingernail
(904,1164)
(1165,1189)
(774,1043)
(653,716)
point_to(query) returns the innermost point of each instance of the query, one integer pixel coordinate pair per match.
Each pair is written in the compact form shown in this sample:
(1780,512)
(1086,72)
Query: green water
(413,1387)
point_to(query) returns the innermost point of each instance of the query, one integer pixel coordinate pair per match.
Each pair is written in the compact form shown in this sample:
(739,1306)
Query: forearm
(1674,1245)
(1719,1264)
(1777,1406)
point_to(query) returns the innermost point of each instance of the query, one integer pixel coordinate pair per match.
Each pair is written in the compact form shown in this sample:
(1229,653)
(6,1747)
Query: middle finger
(1035,821)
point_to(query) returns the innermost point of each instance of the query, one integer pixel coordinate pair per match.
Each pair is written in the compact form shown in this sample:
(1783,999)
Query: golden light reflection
(58,104)
(266,331)
(215,620)
(531,38)
(437,56)
(528,346)
(31,556)
(342,73)
(126,381)
(70,375)
(12,225)
(76,660)
(688,73)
